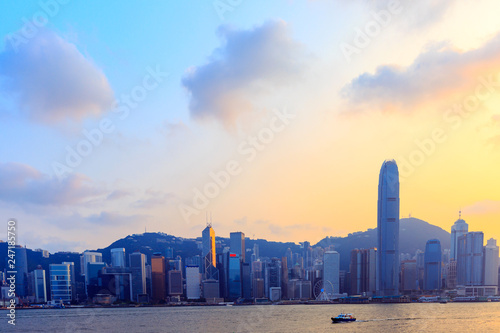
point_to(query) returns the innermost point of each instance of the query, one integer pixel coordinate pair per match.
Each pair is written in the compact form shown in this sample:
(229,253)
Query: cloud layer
(22,184)
(52,81)
(248,64)
(437,71)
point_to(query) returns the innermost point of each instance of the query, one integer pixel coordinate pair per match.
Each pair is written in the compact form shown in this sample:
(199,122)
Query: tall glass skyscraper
(458,229)
(388,230)
(208,253)
(331,271)
(237,244)
(138,268)
(491,261)
(234,281)
(118,257)
(60,283)
(432,262)
(470,259)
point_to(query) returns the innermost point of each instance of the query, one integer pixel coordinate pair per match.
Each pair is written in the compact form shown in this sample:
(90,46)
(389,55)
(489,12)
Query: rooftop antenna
(460,214)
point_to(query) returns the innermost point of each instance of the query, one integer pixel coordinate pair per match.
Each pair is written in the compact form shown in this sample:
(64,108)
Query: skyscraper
(234,276)
(118,257)
(432,263)
(87,257)
(470,263)
(388,230)
(331,269)
(21,264)
(138,269)
(208,252)
(40,292)
(459,228)
(193,282)
(237,244)
(158,277)
(272,276)
(363,271)
(491,263)
(60,283)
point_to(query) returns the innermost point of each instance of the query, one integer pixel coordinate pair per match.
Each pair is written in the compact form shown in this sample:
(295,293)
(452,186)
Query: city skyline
(148,121)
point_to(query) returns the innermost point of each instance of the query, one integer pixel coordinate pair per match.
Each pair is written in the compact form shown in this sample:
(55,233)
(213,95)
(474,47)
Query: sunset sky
(273,116)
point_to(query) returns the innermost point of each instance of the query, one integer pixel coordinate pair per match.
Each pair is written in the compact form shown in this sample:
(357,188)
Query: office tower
(256,251)
(419,256)
(138,268)
(60,283)
(175,283)
(432,265)
(38,285)
(169,253)
(491,263)
(234,279)
(211,289)
(307,254)
(117,281)
(258,286)
(73,278)
(208,253)
(284,277)
(388,230)
(193,282)
(272,275)
(118,257)
(470,261)
(331,271)
(93,283)
(158,277)
(409,276)
(21,268)
(459,228)
(246,281)
(237,244)
(87,257)
(363,271)
(451,274)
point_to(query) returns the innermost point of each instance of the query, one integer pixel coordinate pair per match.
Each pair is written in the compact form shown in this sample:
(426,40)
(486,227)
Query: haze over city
(273,117)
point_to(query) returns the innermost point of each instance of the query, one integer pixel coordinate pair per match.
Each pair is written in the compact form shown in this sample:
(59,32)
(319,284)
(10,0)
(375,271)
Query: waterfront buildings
(237,244)
(470,261)
(458,229)
(388,230)
(331,268)
(363,271)
(60,283)
(491,263)
(193,282)
(118,257)
(409,276)
(138,269)
(432,265)
(158,277)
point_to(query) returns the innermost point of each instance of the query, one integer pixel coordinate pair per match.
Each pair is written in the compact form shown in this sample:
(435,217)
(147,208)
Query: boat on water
(343,317)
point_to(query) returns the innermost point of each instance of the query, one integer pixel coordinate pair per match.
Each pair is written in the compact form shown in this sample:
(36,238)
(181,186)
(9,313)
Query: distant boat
(343,317)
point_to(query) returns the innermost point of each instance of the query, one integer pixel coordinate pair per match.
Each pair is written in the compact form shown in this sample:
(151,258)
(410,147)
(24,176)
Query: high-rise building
(272,276)
(388,230)
(363,271)
(459,228)
(87,257)
(408,275)
(331,271)
(451,274)
(432,263)
(138,269)
(158,277)
(93,281)
(118,281)
(118,257)
(38,287)
(470,259)
(491,263)
(60,283)
(246,281)
(234,280)
(284,277)
(193,282)
(208,252)
(175,283)
(21,269)
(237,244)
(256,251)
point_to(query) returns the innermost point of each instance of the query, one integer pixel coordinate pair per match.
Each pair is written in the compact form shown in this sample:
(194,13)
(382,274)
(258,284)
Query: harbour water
(435,317)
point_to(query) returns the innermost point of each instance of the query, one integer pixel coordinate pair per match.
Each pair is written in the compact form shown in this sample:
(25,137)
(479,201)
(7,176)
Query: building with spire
(459,228)
(388,230)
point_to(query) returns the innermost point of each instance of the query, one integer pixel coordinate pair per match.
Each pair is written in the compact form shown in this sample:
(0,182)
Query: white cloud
(52,81)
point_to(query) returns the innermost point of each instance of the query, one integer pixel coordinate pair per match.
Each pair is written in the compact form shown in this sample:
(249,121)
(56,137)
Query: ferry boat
(343,317)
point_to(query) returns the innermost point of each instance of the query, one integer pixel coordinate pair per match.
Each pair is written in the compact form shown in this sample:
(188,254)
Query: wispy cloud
(249,64)
(438,71)
(483,207)
(52,81)
(23,184)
